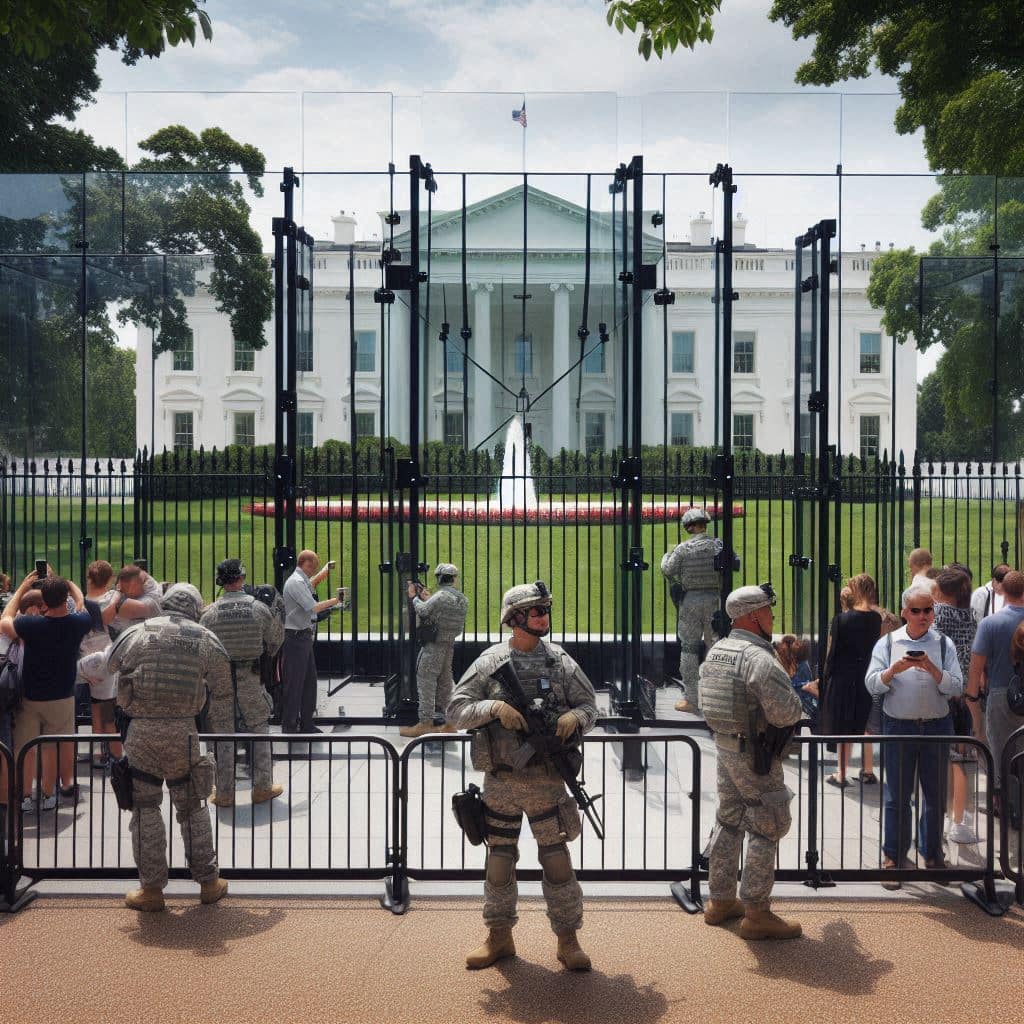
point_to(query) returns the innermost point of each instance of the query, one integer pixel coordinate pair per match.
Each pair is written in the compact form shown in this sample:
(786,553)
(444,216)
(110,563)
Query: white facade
(222,396)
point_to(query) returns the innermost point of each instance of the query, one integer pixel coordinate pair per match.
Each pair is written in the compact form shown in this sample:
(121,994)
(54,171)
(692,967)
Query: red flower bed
(470,512)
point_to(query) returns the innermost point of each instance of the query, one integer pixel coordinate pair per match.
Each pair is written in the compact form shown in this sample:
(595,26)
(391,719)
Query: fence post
(917,498)
(816,879)
(396,884)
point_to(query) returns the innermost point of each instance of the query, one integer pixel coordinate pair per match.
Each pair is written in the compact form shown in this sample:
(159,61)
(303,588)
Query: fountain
(515,487)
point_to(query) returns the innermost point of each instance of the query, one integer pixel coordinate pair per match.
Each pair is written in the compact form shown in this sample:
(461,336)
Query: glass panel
(366,351)
(870,428)
(41,212)
(870,143)
(330,123)
(244,357)
(743,430)
(743,351)
(763,129)
(366,424)
(870,352)
(245,428)
(682,351)
(682,429)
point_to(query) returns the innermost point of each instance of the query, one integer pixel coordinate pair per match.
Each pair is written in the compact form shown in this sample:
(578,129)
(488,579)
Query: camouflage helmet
(523,596)
(746,600)
(695,515)
(183,599)
(446,569)
(231,570)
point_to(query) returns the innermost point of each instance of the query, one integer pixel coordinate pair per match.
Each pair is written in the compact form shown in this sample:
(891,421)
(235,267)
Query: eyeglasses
(921,611)
(538,611)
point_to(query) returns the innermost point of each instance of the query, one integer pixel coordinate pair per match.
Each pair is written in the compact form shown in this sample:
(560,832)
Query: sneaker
(69,794)
(962,833)
(47,803)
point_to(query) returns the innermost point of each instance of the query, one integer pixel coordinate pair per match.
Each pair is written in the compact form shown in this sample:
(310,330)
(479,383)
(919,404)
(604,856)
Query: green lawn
(579,562)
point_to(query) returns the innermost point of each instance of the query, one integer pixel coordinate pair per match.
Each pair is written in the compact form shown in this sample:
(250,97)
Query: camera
(343,599)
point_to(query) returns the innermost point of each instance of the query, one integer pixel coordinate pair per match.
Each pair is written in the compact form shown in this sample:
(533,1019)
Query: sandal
(868,778)
(834,780)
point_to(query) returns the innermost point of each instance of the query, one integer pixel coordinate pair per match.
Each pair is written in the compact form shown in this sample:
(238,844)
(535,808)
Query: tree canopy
(664,24)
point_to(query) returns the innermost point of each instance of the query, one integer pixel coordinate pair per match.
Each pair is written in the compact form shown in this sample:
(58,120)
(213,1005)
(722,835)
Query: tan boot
(760,923)
(448,727)
(497,946)
(145,899)
(210,892)
(261,796)
(222,799)
(720,911)
(685,705)
(570,954)
(419,729)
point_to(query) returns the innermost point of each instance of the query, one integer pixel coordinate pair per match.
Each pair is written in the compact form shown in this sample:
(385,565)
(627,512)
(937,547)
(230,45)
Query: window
(593,430)
(366,424)
(245,357)
(304,352)
(304,429)
(524,355)
(593,360)
(742,351)
(183,358)
(453,429)
(870,428)
(870,352)
(743,430)
(806,435)
(806,353)
(682,428)
(453,360)
(183,430)
(245,428)
(366,353)
(682,351)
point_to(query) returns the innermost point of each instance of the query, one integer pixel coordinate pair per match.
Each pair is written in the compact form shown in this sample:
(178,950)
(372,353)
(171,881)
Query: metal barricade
(1011,820)
(651,817)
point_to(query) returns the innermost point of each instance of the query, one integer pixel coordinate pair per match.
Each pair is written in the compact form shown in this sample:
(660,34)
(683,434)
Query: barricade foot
(395,899)
(995,902)
(17,899)
(682,895)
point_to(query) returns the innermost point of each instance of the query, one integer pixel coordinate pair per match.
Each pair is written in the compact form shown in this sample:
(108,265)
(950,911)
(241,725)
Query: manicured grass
(189,538)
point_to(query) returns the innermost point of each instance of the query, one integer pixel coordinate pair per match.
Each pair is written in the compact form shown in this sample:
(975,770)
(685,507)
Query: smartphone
(343,599)
(41,570)
(141,563)
(914,654)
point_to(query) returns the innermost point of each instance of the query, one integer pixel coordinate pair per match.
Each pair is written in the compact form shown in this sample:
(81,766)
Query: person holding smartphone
(915,669)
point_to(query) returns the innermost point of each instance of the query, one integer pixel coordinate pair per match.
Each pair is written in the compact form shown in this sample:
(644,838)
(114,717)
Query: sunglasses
(921,611)
(538,611)
(768,591)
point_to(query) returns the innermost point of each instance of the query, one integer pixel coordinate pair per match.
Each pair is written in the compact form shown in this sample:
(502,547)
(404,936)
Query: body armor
(692,563)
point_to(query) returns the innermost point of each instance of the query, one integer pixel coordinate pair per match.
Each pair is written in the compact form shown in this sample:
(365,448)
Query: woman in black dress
(845,701)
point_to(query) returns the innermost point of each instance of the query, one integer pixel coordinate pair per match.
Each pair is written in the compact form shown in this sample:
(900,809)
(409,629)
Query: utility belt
(122,775)
(471,814)
(299,632)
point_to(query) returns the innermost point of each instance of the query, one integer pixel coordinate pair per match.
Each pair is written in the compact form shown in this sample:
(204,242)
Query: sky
(339,89)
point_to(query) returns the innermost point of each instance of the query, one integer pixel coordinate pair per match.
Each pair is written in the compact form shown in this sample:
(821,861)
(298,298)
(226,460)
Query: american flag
(520,115)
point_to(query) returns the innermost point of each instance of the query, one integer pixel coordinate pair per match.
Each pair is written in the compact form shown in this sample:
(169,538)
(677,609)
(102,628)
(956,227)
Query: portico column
(482,420)
(561,421)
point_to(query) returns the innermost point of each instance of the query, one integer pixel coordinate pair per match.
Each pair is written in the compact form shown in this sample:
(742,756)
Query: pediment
(180,394)
(869,398)
(242,393)
(747,396)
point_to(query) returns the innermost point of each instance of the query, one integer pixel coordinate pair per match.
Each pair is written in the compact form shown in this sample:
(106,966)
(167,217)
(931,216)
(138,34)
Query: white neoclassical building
(221,392)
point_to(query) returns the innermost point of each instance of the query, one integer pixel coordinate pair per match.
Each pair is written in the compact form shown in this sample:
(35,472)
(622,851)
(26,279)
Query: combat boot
(448,727)
(760,923)
(261,796)
(145,899)
(685,706)
(720,911)
(419,729)
(570,954)
(222,799)
(497,946)
(210,892)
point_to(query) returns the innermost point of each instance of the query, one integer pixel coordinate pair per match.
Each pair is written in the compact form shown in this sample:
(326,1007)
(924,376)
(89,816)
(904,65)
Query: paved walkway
(918,957)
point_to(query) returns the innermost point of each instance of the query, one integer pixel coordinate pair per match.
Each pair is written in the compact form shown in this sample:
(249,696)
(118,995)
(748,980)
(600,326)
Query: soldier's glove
(508,716)
(567,725)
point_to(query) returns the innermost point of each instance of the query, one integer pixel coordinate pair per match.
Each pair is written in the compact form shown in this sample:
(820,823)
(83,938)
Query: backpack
(11,688)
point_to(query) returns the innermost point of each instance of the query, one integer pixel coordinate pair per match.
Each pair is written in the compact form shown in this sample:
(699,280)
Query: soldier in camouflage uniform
(445,611)
(167,664)
(548,674)
(691,565)
(742,681)
(248,629)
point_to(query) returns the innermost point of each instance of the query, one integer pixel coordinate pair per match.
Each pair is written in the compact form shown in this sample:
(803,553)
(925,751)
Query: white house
(222,392)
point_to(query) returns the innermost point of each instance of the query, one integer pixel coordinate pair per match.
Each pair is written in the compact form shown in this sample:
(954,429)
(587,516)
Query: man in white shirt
(298,666)
(919,561)
(989,599)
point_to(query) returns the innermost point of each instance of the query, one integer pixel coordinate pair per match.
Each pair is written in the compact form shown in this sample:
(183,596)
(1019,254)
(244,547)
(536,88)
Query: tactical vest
(234,621)
(697,564)
(448,613)
(164,661)
(722,690)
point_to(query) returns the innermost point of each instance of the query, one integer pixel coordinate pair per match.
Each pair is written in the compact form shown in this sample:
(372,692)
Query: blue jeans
(902,761)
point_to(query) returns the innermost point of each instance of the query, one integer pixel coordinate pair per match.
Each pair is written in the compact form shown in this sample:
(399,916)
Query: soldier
(445,613)
(743,684)
(248,629)
(536,790)
(167,664)
(690,566)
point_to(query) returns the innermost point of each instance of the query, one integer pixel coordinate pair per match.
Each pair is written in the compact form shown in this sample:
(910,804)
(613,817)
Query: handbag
(1015,691)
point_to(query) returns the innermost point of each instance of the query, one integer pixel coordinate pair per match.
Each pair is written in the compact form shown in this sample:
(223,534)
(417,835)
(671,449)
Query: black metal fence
(357,808)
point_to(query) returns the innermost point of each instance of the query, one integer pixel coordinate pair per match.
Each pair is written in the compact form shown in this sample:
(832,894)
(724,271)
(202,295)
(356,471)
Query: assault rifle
(541,740)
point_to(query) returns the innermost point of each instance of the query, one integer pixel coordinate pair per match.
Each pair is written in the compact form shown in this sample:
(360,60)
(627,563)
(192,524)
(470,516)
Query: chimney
(344,228)
(700,230)
(878,246)
(739,231)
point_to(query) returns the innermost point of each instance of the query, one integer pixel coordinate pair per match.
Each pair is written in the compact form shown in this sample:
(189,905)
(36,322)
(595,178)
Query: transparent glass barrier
(41,212)
(787,133)
(332,120)
(870,144)
(683,131)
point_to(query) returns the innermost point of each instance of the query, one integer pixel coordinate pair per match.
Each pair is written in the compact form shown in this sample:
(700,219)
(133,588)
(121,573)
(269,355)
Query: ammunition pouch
(570,821)
(676,593)
(468,808)
(426,634)
(202,774)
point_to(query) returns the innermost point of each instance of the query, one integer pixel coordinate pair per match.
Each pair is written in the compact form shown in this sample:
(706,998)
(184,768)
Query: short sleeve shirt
(50,659)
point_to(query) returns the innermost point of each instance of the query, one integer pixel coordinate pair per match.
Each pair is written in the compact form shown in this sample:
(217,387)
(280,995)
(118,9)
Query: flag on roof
(520,115)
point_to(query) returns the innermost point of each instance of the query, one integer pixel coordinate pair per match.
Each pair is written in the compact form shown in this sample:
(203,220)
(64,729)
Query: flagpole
(524,136)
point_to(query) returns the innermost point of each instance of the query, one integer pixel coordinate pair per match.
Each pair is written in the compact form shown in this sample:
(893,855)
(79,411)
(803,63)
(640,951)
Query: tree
(37,28)
(958,67)
(664,24)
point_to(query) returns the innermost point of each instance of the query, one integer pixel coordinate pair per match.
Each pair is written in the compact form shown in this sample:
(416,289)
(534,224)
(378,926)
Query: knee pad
(555,863)
(501,865)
